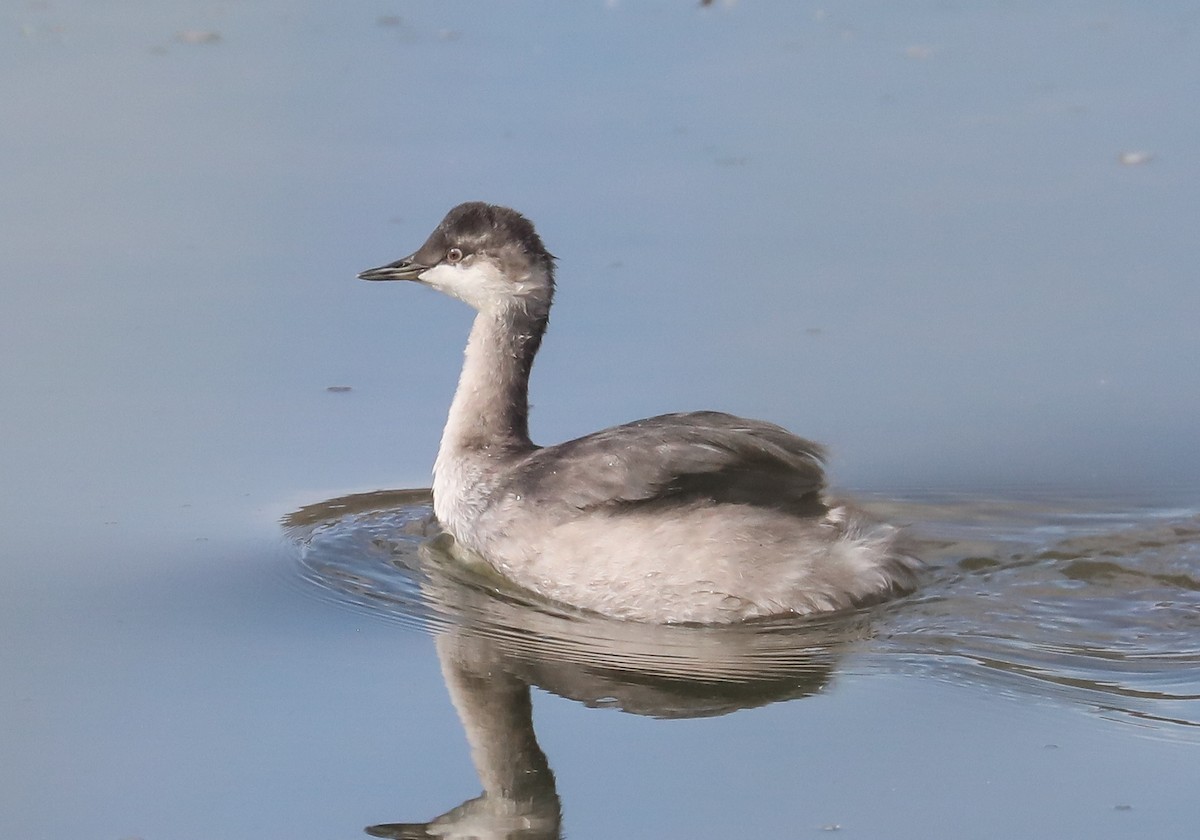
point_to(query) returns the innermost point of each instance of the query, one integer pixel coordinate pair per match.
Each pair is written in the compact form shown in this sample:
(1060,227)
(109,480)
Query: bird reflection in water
(1088,608)
(495,641)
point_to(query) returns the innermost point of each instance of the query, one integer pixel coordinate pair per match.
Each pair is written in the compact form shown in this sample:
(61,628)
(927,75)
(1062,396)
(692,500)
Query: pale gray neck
(490,410)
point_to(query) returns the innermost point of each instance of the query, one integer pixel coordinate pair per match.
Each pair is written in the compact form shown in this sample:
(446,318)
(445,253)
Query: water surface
(954,243)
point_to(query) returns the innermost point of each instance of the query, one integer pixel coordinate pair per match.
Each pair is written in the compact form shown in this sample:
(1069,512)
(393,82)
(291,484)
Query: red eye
(454,255)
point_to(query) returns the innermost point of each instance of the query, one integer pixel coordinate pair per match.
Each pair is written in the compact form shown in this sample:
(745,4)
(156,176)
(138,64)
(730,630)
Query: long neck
(491,406)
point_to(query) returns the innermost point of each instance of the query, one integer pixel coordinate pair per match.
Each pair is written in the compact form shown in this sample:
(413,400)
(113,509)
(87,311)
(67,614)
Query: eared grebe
(698,517)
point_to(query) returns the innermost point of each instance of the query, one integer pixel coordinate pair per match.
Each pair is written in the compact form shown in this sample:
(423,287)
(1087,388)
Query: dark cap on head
(474,227)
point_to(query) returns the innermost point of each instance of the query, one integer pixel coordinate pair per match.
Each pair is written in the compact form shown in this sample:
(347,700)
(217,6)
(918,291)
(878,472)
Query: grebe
(698,517)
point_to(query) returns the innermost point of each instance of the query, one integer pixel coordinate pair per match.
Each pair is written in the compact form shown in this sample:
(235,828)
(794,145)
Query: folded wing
(677,459)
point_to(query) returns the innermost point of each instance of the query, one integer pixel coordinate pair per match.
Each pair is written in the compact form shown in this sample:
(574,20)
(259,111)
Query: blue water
(953,243)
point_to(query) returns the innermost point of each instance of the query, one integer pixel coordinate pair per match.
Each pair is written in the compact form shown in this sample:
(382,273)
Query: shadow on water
(1096,610)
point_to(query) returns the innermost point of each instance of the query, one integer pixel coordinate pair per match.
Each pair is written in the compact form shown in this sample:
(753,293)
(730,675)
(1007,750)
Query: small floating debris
(1123,808)
(339,389)
(198,36)
(919,52)
(1134,158)
(389,21)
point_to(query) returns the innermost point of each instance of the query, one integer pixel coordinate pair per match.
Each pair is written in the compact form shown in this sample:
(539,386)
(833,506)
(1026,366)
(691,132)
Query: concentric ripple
(1099,609)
